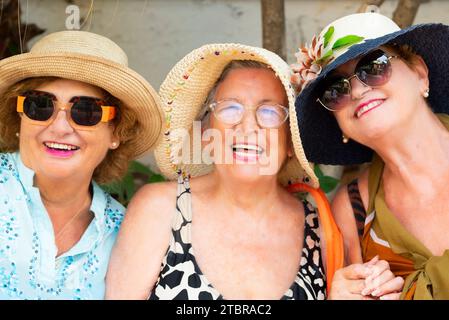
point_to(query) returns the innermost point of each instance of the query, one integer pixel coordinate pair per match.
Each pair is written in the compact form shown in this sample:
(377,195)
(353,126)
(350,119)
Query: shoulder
(142,242)
(155,195)
(153,201)
(149,216)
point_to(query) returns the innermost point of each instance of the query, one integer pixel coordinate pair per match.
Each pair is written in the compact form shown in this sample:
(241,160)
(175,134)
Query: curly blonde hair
(113,167)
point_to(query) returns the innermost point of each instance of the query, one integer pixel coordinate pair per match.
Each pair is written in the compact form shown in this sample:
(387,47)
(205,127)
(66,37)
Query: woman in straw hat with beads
(228,228)
(379,97)
(71,114)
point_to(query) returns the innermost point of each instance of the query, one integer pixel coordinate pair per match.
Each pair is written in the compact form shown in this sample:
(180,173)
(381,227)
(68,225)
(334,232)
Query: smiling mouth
(61,146)
(247,149)
(367,107)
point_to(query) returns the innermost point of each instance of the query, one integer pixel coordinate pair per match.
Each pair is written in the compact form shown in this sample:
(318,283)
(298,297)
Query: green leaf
(129,185)
(325,56)
(156,178)
(138,174)
(328,35)
(136,166)
(328,183)
(346,41)
(318,171)
(113,188)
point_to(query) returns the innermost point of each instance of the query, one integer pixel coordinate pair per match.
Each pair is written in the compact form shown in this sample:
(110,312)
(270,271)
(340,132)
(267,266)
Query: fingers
(348,283)
(367,281)
(356,286)
(377,270)
(373,261)
(355,271)
(347,291)
(373,284)
(392,286)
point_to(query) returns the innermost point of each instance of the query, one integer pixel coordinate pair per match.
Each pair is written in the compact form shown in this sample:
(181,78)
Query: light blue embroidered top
(29,268)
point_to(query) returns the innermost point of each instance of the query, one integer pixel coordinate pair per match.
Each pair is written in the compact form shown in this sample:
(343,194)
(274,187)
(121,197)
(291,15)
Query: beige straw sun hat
(96,60)
(184,92)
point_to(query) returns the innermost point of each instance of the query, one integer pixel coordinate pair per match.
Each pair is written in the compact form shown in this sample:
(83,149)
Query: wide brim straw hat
(320,133)
(183,94)
(96,60)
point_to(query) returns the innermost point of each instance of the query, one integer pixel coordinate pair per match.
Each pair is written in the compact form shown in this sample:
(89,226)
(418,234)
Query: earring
(17,134)
(114,145)
(345,139)
(426,93)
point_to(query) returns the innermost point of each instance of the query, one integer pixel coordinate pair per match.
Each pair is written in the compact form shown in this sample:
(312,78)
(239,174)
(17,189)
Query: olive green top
(431,272)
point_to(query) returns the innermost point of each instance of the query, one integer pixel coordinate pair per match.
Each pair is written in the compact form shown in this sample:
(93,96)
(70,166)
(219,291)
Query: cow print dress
(181,278)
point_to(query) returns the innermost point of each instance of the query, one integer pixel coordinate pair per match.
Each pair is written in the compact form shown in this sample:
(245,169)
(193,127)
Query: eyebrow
(266,100)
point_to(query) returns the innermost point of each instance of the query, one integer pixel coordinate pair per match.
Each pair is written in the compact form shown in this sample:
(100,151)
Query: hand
(367,281)
(382,283)
(349,282)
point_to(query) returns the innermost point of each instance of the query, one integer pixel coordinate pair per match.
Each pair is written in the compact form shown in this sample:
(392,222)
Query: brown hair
(405,52)
(113,166)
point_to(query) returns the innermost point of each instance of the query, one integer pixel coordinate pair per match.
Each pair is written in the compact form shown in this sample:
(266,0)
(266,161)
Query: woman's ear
(114,144)
(115,140)
(420,67)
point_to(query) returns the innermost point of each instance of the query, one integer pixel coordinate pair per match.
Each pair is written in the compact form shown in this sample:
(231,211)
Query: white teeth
(245,154)
(60,146)
(244,148)
(368,107)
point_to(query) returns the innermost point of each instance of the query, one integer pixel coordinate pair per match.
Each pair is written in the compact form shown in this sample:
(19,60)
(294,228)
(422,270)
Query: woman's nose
(249,122)
(358,88)
(60,125)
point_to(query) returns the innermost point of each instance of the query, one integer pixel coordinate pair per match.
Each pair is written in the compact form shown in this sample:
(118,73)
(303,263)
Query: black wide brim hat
(320,133)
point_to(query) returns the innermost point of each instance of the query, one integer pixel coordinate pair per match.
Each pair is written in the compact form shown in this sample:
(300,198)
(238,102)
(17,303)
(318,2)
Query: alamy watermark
(72,22)
(227,146)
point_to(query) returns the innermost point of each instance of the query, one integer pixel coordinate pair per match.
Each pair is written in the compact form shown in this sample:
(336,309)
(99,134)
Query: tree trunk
(405,12)
(273,26)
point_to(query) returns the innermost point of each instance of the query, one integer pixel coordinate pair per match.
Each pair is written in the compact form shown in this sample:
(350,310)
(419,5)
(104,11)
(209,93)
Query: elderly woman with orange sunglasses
(71,114)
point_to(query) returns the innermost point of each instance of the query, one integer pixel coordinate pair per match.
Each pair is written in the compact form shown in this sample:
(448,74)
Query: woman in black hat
(374,93)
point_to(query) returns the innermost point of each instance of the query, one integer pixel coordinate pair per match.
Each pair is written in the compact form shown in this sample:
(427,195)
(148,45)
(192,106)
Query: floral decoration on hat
(311,59)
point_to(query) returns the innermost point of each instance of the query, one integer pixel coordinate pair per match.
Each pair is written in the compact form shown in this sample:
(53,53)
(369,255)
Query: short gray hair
(204,114)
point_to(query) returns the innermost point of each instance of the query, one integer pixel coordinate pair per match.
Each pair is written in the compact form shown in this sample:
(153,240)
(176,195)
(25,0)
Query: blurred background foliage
(138,175)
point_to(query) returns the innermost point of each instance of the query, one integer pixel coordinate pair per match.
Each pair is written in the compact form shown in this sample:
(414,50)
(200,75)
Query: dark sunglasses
(40,106)
(373,70)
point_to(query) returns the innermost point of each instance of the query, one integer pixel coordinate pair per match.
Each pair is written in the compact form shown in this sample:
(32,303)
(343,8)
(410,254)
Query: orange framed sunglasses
(85,112)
